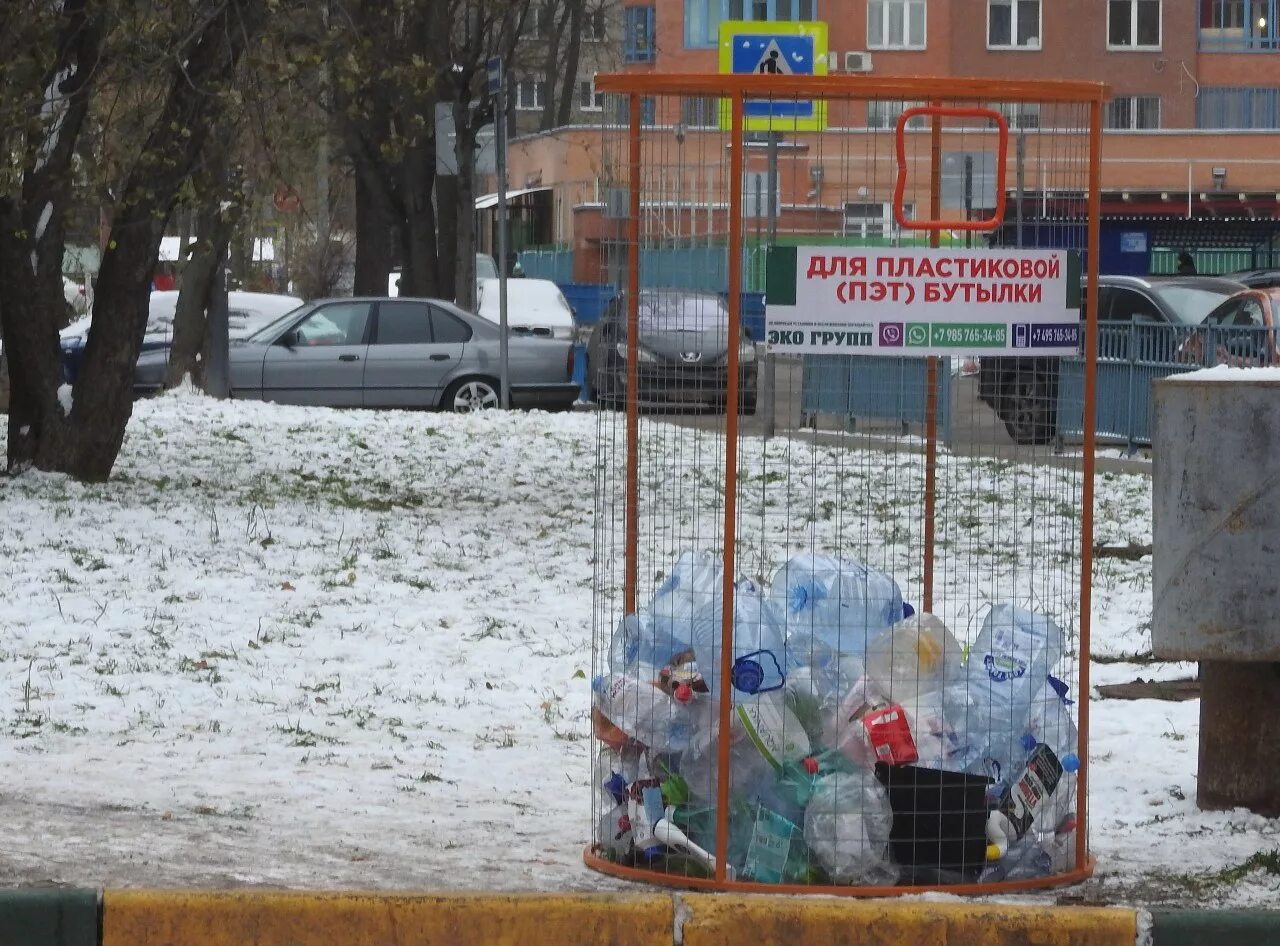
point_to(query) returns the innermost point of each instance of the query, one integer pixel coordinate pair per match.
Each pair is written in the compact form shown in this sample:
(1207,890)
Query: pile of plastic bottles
(845,705)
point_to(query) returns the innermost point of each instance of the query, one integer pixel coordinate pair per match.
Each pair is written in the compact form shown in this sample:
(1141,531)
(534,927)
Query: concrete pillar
(1216,570)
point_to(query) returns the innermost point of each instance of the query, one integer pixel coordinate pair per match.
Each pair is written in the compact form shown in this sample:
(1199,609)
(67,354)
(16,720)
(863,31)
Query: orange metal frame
(738,89)
(933,224)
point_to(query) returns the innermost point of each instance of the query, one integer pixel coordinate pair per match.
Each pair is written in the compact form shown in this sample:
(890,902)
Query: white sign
(883,301)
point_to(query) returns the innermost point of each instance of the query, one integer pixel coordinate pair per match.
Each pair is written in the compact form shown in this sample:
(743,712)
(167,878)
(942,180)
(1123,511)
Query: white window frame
(1133,29)
(884,113)
(884,41)
(597,99)
(1013,45)
(1133,112)
(539,95)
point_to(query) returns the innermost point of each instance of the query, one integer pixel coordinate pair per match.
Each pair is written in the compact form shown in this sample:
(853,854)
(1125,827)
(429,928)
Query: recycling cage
(895,697)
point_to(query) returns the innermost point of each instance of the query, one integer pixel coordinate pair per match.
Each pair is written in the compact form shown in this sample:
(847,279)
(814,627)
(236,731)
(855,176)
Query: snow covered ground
(310,648)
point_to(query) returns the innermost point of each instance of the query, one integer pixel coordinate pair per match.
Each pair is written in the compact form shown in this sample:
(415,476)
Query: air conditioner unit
(857,62)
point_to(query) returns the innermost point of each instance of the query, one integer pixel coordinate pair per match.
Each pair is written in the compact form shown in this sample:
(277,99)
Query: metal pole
(500,145)
(217,380)
(931,376)
(1022,180)
(968,196)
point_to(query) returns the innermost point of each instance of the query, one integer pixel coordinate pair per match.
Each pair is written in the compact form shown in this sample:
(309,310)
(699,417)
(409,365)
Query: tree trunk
(32,242)
(551,69)
(189,353)
(568,73)
(164,164)
(449,245)
(374,227)
(418,227)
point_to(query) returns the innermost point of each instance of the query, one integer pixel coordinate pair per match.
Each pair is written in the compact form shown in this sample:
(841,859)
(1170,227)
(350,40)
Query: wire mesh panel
(841,607)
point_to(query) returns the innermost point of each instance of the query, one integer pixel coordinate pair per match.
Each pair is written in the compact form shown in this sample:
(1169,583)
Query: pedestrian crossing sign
(775,49)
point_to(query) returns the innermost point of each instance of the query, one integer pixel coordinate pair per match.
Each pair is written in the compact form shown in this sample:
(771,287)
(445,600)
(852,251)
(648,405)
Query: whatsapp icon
(918,333)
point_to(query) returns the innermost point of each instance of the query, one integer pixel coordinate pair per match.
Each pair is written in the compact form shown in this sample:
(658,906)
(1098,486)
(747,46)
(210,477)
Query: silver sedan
(384,352)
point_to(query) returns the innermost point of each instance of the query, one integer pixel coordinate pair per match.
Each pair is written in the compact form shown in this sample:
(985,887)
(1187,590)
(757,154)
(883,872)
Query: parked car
(486,268)
(1257,278)
(246,313)
(1024,391)
(534,307)
(1241,331)
(385,352)
(682,352)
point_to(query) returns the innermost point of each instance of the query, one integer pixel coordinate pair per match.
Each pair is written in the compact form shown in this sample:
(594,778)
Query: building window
(873,220)
(1013,24)
(537,20)
(1238,108)
(702,17)
(637,38)
(1239,25)
(589,100)
(896,24)
(1019,116)
(885,114)
(1133,112)
(530,95)
(1133,24)
(593,26)
(621,110)
(700,112)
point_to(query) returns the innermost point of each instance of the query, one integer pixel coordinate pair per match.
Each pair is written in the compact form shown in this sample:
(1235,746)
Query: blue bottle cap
(616,786)
(907,610)
(1070,762)
(1028,742)
(747,675)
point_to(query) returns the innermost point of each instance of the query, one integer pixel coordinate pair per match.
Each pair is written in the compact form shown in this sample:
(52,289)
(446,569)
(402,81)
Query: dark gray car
(682,349)
(385,352)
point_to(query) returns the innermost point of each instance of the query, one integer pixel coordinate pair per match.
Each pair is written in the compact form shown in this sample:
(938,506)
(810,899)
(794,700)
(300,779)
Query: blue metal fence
(1131,356)
(862,387)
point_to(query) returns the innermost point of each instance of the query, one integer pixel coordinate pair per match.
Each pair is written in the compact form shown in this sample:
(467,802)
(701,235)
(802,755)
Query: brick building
(1191,156)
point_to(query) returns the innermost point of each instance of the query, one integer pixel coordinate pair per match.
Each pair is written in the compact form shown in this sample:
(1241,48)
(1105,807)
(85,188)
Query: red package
(890,735)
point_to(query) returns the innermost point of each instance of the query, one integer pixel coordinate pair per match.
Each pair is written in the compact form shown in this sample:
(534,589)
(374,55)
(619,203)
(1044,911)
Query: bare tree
(60,66)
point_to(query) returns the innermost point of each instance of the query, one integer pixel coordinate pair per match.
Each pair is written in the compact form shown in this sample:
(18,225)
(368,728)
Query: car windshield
(274,325)
(1192,303)
(486,268)
(670,312)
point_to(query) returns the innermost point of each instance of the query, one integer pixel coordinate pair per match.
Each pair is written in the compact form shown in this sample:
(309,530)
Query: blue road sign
(776,49)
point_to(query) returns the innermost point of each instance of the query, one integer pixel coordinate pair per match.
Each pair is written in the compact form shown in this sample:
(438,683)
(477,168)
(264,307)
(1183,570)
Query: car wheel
(608,389)
(471,394)
(1025,408)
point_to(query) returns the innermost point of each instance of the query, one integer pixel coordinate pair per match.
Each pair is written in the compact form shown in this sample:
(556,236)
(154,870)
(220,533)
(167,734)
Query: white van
(534,307)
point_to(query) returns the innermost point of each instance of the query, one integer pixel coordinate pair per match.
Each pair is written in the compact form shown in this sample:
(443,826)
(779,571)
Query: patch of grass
(303,738)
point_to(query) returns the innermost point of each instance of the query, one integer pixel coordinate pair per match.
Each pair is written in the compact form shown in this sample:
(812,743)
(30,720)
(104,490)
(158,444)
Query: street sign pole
(498,88)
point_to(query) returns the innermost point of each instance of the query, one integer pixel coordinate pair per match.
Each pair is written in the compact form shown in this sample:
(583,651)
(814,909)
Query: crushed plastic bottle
(846,827)
(833,606)
(642,712)
(917,655)
(1008,663)
(1050,723)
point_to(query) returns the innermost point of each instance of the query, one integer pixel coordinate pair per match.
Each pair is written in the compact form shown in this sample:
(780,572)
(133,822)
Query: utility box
(1216,569)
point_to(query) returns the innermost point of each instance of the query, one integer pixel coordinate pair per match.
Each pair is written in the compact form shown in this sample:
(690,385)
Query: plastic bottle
(1008,663)
(846,826)
(832,606)
(643,712)
(1050,723)
(915,656)
(685,614)
(1022,800)
(759,641)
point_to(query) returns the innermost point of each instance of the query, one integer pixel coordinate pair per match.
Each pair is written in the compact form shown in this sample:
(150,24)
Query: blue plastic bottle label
(1005,667)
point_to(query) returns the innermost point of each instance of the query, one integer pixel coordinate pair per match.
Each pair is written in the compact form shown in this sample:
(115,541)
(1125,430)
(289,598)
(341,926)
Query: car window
(1190,304)
(342,323)
(1127,306)
(449,329)
(1247,311)
(682,312)
(403,323)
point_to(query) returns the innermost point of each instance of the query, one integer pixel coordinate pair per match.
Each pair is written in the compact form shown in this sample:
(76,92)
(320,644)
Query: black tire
(1027,408)
(606,390)
(479,393)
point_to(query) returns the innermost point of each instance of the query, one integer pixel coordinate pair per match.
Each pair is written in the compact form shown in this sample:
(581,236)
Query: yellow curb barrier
(329,919)
(711,920)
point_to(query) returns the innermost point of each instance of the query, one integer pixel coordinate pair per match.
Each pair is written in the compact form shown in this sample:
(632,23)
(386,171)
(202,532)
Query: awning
(489,201)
